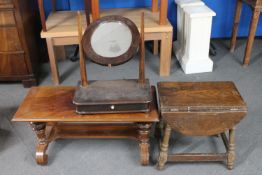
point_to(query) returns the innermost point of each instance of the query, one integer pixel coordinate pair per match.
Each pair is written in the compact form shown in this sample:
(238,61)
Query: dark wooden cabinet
(19,41)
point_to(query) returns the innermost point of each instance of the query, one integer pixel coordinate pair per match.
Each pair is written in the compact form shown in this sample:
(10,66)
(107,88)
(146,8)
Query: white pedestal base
(197,31)
(192,66)
(177,50)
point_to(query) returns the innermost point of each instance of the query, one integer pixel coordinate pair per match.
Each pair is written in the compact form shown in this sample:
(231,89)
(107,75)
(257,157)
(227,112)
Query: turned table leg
(39,129)
(143,137)
(162,159)
(231,149)
(235,27)
(251,36)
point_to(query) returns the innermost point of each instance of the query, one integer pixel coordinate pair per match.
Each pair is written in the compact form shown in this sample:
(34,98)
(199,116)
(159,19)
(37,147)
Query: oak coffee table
(52,116)
(200,109)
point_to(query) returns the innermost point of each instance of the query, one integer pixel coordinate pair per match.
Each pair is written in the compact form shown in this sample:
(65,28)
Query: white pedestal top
(199,11)
(183,3)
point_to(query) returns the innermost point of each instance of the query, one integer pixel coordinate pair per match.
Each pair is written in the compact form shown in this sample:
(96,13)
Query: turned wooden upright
(256,6)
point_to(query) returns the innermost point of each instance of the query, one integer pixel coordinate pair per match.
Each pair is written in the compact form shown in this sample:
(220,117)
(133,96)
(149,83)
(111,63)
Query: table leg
(251,36)
(53,62)
(165,53)
(60,52)
(231,149)
(162,159)
(144,132)
(155,47)
(39,129)
(235,27)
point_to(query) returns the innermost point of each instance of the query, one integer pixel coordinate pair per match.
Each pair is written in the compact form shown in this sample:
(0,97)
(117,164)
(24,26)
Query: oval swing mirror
(111,40)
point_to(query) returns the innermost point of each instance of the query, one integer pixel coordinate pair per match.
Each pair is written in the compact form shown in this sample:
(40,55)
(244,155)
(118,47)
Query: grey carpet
(118,157)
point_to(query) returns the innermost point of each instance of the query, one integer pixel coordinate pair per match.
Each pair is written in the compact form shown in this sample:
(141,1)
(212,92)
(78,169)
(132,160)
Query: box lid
(113,92)
(200,96)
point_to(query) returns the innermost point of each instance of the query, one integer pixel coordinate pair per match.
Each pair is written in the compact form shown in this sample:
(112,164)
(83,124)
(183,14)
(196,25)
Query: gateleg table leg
(42,145)
(231,149)
(143,137)
(162,159)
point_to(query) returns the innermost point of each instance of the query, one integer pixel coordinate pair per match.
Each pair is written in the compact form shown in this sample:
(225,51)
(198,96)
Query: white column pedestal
(197,32)
(179,45)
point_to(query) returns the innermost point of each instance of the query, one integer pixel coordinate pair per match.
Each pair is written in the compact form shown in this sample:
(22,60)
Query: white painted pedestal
(197,31)
(179,45)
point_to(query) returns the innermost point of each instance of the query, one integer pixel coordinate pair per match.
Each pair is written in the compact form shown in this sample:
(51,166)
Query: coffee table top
(200,96)
(54,104)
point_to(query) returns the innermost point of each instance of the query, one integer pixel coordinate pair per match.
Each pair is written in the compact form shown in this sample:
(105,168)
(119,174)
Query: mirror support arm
(142,52)
(84,82)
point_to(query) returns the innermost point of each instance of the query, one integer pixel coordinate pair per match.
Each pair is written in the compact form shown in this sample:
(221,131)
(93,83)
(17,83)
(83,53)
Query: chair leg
(42,14)
(235,27)
(251,36)
(155,47)
(53,5)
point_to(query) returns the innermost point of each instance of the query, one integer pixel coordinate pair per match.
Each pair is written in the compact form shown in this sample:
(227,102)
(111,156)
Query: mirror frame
(132,50)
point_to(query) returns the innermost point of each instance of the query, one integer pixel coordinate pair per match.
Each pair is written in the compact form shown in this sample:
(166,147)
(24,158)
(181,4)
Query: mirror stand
(112,96)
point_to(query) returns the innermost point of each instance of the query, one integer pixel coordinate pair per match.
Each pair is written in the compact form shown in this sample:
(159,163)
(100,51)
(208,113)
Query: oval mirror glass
(111,39)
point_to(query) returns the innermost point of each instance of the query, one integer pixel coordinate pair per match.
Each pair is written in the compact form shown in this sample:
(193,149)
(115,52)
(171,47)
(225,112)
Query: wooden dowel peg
(163,12)
(154,5)
(95,9)
(83,74)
